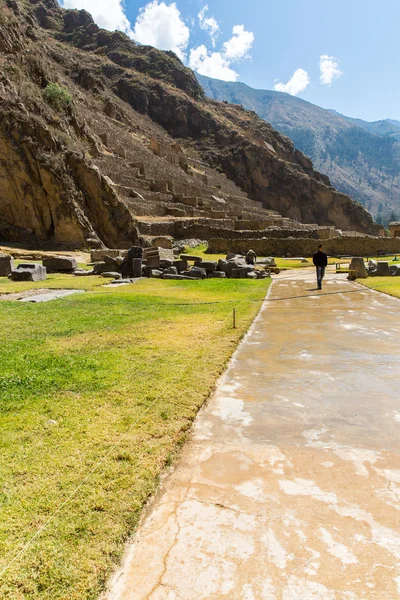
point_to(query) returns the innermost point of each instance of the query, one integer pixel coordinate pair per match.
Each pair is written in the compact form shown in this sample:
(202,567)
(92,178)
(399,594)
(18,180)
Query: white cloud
(239,45)
(219,64)
(212,65)
(329,68)
(160,25)
(209,24)
(296,84)
(108,14)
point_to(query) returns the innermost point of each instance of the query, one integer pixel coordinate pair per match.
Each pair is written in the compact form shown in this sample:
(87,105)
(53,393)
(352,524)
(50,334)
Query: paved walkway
(290,489)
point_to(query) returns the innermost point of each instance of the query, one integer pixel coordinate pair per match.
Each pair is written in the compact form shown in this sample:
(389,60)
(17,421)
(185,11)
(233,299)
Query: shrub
(57,96)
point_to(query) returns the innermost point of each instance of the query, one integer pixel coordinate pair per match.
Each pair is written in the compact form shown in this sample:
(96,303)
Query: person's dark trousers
(320,276)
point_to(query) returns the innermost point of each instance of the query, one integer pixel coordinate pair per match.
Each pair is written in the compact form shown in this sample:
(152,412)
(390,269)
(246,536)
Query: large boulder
(357,265)
(395,270)
(383,269)
(60,264)
(209,266)
(198,273)
(6,264)
(29,272)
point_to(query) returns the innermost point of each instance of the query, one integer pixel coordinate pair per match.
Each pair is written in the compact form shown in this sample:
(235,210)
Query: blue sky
(343,55)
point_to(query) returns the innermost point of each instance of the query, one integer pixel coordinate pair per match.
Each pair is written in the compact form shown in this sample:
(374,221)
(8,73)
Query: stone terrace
(171,192)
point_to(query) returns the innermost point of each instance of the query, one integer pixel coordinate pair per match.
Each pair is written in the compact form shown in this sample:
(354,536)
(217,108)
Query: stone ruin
(60,264)
(6,264)
(28,272)
(161,263)
(375,268)
(382,268)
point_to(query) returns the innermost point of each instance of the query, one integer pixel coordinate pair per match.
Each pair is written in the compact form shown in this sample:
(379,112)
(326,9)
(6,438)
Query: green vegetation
(387,285)
(97,393)
(58,97)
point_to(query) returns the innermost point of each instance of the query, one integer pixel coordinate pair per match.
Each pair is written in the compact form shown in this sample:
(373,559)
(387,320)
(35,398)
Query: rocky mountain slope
(361,159)
(88,131)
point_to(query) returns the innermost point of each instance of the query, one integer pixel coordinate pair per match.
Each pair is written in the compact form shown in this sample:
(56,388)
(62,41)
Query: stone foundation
(346,246)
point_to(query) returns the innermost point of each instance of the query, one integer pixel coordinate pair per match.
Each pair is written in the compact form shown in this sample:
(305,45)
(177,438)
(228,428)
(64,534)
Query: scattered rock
(83,273)
(60,264)
(181,265)
(198,273)
(6,264)
(382,269)
(358,265)
(28,272)
(170,271)
(208,266)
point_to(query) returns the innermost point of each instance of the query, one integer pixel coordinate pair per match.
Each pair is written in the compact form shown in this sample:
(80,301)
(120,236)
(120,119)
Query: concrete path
(290,488)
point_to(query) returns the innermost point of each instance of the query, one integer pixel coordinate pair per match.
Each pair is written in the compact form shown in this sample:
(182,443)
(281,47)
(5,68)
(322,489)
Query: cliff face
(51,189)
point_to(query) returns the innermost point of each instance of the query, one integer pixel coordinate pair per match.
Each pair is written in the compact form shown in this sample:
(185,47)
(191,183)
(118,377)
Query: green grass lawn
(387,285)
(97,394)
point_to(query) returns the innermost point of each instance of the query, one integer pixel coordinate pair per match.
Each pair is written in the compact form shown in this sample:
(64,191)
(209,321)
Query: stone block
(60,264)
(181,265)
(6,264)
(153,262)
(99,255)
(357,264)
(171,271)
(218,275)
(252,275)
(137,267)
(382,269)
(160,186)
(218,214)
(29,272)
(175,212)
(208,266)
(198,273)
(102,267)
(156,273)
(190,201)
(166,263)
(84,273)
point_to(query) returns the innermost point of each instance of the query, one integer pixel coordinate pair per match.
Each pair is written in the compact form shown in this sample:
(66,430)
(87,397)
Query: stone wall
(353,246)
(394,229)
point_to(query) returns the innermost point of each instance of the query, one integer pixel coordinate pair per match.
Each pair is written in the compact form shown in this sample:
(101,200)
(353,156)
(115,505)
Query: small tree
(58,97)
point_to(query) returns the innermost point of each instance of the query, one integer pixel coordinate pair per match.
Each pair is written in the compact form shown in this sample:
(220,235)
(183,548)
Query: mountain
(384,127)
(361,159)
(103,141)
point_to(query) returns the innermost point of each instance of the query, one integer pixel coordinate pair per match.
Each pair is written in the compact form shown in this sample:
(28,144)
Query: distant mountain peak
(361,158)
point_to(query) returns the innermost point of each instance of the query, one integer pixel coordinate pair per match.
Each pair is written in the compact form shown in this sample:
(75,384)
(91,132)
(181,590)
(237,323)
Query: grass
(387,285)
(108,383)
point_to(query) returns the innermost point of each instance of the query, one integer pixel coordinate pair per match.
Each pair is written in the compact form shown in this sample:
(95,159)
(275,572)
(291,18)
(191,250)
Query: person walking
(320,260)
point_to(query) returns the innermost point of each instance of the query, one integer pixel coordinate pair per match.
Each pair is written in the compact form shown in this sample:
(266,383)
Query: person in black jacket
(320,260)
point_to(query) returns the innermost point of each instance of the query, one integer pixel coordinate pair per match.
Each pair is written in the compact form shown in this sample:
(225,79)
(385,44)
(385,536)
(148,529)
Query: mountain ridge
(121,148)
(357,158)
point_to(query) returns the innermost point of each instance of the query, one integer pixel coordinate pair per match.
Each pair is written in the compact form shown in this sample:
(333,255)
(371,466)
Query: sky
(343,55)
